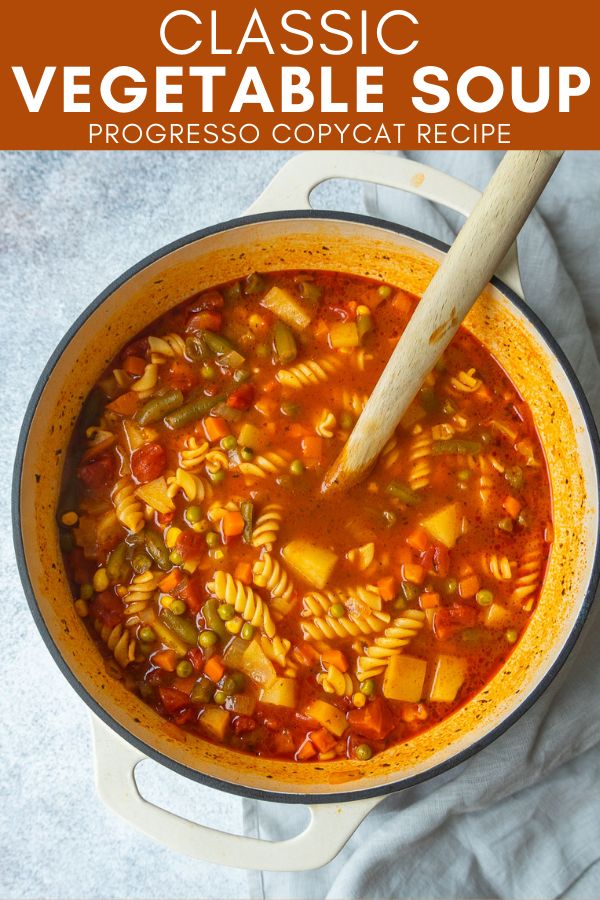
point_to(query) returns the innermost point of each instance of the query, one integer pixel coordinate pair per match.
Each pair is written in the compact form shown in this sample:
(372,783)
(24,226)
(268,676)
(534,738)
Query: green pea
(384,291)
(226,612)
(506,524)
(67,541)
(247,632)
(229,442)
(175,557)
(178,607)
(450,586)
(464,474)
(239,680)
(511,635)
(193,514)
(368,687)
(220,697)
(208,372)
(229,685)
(184,668)
(247,453)
(290,409)
(337,610)
(363,752)
(296,467)
(147,634)
(389,518)
(86,592)
(217,477)
(399,604)
(207,639)
(212,538)
(484,597)
(346,421)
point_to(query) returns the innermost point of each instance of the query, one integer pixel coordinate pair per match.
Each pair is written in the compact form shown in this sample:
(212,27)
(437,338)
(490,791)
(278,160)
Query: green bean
(183,628)
(67,541)
(240,376)
(404,493)
(195,347)
(116,563)
(232,292)
(203,691)
(284,342)
(411,591)
(455,445)
(219,345)
(229,685)
(192,411)
(232,360)
(429,399)
(254,284)
(158,407)
(156,548)
(247,511)
(140,562)
(213,620)
(310,291)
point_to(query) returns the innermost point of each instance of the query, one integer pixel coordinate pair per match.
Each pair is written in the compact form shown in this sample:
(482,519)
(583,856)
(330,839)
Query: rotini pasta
(193,487)
(466,382)
(420,460)
(269,463)
(247,602)
(309,373)
(335,682)
(129,509)
(119,641)
(528,575)
(193,455)
(267,526)
(326,424)
(498,566)
(270,574)
(166,347)
(392,641)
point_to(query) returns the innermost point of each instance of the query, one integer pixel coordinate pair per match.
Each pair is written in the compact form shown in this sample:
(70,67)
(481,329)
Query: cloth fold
(522,817)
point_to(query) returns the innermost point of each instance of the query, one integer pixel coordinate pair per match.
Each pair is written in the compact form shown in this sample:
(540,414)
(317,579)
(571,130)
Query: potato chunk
(332,718)
(448,677)
(444,525)
(313,564)
(214,720)
(286,307)
(154,494)
(282,692)
(498,616)
(404,678)
(257,666)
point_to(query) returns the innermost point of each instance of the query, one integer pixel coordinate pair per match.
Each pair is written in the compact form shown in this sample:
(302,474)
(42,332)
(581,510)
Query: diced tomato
(243,724)
(181,375)
(191,545)
(173,700)
(207,300)
(98,473)
(447,620)
(242,397)
(426,560)
(186,716)
(139,347)
(209,320)
(134,365)
(372,721)
(107,607)
(148,462)
(196,658)
(193,594)
(441,560)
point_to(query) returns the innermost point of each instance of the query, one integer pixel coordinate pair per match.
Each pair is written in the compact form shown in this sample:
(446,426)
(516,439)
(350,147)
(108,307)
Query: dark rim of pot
(151,752)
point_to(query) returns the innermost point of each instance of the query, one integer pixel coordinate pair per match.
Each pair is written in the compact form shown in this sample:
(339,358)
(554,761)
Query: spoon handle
(479,248)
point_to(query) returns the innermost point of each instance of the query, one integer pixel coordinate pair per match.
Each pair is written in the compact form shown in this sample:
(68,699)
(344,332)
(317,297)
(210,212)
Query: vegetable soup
(239,601)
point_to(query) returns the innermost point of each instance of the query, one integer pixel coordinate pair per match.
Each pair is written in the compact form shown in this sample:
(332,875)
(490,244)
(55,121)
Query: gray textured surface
(72,222)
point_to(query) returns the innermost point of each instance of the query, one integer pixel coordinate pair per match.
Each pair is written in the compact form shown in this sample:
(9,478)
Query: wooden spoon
(480,246)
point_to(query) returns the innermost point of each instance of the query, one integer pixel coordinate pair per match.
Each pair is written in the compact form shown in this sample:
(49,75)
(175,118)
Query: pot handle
(293,184)
(330,826)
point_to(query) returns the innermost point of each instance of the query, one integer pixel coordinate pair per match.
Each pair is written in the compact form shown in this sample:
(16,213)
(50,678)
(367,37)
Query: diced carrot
(372,721)
(134,365)
(305,654)
(468,587)
(125,405)
(483,393)
(418,539)
(306,750)
(243,572)
(333,657)
(413,572)
(320,329)
(232,523)
(429,600)
(170,581)
(215,428)
(165,659)
(387,587)
(298,431)
(405,555)
(322,740)
(512,506)
(214,668)
(185,684)
(312,447)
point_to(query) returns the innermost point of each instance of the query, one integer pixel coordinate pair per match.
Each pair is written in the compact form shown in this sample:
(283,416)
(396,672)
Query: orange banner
(275,75)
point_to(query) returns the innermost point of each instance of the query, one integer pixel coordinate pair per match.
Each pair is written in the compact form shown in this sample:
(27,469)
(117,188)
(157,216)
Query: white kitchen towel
(522,818)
